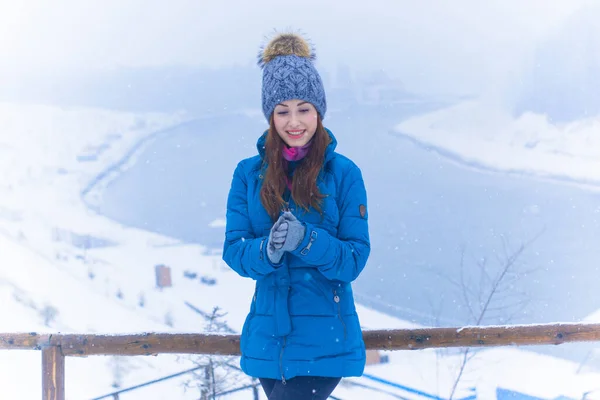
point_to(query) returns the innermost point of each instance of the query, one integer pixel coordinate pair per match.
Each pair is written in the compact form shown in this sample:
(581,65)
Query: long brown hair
(305,192)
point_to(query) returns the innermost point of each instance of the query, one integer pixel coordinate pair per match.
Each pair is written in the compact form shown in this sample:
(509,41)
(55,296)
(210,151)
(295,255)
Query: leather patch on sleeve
(362,209)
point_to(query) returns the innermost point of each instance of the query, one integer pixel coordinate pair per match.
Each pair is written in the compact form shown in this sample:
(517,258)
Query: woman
(297,225)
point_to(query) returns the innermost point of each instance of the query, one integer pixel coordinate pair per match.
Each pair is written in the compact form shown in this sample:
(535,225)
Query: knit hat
(289,73)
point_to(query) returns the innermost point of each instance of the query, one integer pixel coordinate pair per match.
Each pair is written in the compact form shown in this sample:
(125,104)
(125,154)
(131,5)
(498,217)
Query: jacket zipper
(283,381)
(261,248)
(336,298)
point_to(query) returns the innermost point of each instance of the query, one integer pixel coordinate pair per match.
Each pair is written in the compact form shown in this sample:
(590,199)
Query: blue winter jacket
(302,319)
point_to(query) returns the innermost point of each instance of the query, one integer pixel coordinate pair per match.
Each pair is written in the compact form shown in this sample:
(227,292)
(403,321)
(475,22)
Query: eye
(282,112)
(304,110)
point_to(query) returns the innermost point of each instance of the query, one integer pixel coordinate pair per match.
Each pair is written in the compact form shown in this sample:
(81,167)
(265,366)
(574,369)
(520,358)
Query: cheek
(309,119)
(279,124)
(311,123)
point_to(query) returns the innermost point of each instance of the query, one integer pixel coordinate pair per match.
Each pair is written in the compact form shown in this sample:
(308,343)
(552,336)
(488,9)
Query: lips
(295,134)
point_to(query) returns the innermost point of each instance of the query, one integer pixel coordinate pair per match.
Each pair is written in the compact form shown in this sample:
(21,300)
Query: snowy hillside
(487,137)
(65,268)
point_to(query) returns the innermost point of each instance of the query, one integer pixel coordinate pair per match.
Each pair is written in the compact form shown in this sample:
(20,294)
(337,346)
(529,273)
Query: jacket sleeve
(343,257)
(243,252)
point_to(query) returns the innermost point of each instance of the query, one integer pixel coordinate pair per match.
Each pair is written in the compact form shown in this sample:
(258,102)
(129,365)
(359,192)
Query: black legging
(299,388)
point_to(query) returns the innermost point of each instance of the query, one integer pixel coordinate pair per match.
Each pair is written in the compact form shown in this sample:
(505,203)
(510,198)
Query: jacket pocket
(264,299)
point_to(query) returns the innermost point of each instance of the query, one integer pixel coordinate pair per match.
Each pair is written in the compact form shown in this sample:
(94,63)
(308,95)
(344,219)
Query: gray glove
(295,232)
(276,240)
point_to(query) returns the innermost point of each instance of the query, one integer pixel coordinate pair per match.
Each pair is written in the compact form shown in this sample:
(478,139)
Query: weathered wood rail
(55,347)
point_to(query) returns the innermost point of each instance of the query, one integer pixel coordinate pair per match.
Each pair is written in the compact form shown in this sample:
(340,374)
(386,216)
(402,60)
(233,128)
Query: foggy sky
(434,46)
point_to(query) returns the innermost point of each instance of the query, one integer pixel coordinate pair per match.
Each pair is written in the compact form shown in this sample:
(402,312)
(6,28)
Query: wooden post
(53,373)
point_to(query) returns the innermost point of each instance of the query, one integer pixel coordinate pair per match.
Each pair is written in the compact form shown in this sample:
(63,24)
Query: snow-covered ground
(485,136)
(63,268)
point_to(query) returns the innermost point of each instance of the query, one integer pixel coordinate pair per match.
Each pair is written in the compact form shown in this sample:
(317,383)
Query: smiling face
(295,121)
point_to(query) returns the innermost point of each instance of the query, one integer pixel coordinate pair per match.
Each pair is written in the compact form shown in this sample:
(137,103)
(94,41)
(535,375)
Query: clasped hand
(286,235)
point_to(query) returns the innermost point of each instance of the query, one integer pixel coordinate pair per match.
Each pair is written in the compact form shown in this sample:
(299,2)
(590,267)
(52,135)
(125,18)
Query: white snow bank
(484,136)
(44,145)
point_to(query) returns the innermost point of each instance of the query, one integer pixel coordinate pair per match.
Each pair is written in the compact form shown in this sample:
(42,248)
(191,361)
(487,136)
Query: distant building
(375,357)
(163,276)
(379,88)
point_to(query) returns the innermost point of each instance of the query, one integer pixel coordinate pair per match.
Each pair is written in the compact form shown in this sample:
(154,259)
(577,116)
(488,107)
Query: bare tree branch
(217,373)
(463,365)
(489,290)
(463,285)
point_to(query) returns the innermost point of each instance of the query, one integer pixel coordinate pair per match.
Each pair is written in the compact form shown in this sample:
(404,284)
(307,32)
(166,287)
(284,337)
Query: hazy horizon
(433,47)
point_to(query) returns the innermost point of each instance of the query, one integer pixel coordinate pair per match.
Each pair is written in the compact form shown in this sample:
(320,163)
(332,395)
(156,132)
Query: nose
(294,121)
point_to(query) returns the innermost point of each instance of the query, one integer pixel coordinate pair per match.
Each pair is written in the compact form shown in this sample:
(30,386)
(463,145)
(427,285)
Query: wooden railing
(55,347)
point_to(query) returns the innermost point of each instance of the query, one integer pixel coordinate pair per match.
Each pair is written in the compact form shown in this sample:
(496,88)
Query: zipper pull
(261,248)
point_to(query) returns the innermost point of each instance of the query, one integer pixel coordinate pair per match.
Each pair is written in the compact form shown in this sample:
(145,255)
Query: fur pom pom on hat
(286,44)
(289,73)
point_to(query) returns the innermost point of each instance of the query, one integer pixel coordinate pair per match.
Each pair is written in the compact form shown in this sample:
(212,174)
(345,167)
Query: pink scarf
(293,154)
(296,153)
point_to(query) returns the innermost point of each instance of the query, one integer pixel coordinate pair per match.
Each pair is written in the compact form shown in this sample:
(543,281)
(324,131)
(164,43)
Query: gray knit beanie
(289,73)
